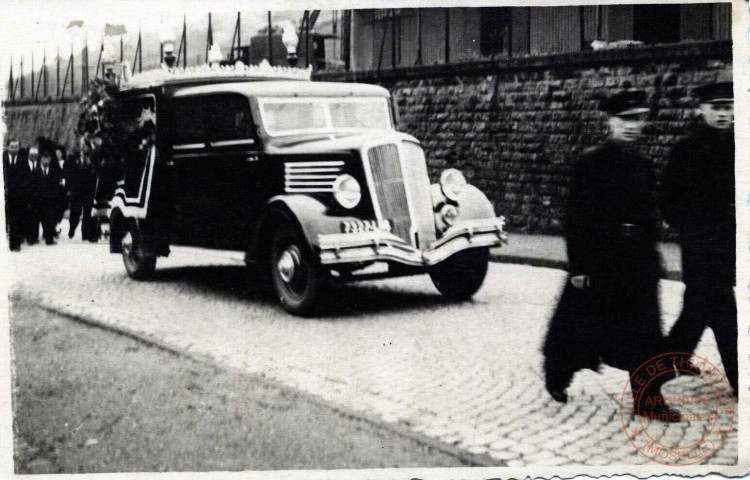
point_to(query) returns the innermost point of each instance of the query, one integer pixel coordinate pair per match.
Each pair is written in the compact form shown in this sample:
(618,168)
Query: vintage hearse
(310,179)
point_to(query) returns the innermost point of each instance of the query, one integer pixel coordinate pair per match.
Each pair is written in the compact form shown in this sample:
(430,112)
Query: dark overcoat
(697,198)
(611,230)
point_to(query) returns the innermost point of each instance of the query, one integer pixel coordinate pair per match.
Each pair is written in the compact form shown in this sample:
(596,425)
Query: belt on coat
(624,230)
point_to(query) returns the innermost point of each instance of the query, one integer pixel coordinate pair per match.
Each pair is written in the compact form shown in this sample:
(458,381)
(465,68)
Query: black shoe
(557,382)
(15,248)
(50,242)
(32,242)
(560,396)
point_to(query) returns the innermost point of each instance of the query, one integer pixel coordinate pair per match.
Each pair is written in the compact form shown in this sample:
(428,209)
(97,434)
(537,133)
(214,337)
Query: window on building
(495,30)
(656,23)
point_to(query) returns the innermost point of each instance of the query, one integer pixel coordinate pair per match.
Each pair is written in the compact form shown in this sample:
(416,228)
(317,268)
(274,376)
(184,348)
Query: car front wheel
(461,275)
(295,278)
(137,265)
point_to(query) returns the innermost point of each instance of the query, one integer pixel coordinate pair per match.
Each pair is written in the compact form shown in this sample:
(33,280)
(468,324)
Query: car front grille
(404,201)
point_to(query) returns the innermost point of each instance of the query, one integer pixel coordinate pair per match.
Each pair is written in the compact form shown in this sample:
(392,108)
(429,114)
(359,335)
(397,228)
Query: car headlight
(449,214)
(452,183)
(346,191)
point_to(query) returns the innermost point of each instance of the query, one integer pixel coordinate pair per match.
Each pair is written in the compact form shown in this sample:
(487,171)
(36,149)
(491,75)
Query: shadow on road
(342,300)
(224,280)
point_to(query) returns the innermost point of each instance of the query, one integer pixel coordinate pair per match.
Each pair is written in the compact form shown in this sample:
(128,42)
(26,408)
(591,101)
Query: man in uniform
(697,198)
(609,310)
(14,174)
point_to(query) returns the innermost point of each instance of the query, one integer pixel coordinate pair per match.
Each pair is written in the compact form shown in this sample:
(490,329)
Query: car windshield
(284,116)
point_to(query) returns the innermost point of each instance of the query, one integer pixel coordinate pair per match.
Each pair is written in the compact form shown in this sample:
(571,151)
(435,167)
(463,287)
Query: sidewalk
(549,251)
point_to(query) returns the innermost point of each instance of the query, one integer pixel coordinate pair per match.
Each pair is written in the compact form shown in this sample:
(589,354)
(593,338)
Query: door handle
(170,163)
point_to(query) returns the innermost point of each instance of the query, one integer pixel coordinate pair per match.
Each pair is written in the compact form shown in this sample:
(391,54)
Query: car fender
(309,214)
(472,203)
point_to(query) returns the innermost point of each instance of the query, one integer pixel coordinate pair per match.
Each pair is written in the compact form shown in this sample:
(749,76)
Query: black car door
(213,155)
(234,154)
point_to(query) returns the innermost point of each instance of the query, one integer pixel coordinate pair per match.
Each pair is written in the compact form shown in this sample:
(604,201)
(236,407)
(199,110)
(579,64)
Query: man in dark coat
(63,170)
(697,198)
(72,176)
(82,201)
(15,177)
(32,215)
(46,187)
(609,310)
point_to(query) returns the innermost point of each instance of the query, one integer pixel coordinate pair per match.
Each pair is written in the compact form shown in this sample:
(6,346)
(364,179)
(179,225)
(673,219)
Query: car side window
(229,117)
(189,120)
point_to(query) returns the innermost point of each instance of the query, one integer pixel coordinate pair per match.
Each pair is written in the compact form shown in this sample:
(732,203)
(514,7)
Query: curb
(466,457)
(675,275)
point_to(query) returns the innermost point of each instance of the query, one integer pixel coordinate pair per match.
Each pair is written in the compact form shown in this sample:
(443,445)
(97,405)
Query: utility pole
(22,79)
(11,90)
(209,36)
(270,39)
(46,74)
(72,71)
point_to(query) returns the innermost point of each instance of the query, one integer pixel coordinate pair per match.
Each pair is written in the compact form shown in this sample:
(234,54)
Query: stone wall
(56,121)
(516,126)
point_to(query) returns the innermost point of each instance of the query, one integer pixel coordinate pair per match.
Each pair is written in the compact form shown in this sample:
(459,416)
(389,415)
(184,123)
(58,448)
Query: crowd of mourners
(42,182)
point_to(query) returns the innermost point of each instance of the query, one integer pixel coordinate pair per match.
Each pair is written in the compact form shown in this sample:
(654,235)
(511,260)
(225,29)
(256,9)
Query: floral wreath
(100,126)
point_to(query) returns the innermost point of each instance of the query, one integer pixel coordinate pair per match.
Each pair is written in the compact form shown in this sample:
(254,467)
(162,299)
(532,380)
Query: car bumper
(339,248)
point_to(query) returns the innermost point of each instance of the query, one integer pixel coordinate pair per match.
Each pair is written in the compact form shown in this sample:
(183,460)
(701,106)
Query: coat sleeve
(578,224)
(674,192)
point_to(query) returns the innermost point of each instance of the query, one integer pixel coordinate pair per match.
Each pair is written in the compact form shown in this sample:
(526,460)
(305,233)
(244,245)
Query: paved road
(466,374)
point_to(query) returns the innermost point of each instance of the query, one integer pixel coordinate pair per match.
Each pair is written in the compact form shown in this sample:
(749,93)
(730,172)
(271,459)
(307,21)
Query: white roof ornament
(214,54)
(238,71)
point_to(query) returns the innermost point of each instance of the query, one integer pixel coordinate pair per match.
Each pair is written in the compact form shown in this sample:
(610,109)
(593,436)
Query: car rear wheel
(461,275)
(295,278)
(138,266)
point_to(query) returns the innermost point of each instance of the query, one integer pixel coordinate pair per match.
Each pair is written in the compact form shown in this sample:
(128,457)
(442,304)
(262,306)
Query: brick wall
(516,126)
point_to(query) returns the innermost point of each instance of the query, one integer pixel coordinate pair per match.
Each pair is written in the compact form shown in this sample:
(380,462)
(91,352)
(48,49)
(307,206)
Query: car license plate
(359,226)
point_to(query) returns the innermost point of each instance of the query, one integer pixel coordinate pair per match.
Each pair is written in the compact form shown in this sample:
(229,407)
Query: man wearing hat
(609,309)
(697,198)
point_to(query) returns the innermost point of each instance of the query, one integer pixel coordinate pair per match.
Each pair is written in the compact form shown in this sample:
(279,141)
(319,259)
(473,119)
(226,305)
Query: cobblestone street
(467,374)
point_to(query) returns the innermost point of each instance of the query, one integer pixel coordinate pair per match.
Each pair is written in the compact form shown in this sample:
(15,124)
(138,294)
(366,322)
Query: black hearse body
(310,179)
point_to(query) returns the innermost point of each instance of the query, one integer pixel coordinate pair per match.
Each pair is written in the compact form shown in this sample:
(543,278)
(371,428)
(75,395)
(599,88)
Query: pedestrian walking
(609,309)
(62,168)
(32,216)
(15,176)
(83,202)
(46,187)
(697,199)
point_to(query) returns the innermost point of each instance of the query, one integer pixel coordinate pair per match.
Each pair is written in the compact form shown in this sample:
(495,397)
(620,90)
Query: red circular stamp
(686,420)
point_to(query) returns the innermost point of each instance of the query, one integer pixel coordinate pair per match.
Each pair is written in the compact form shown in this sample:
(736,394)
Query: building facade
(387,38)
